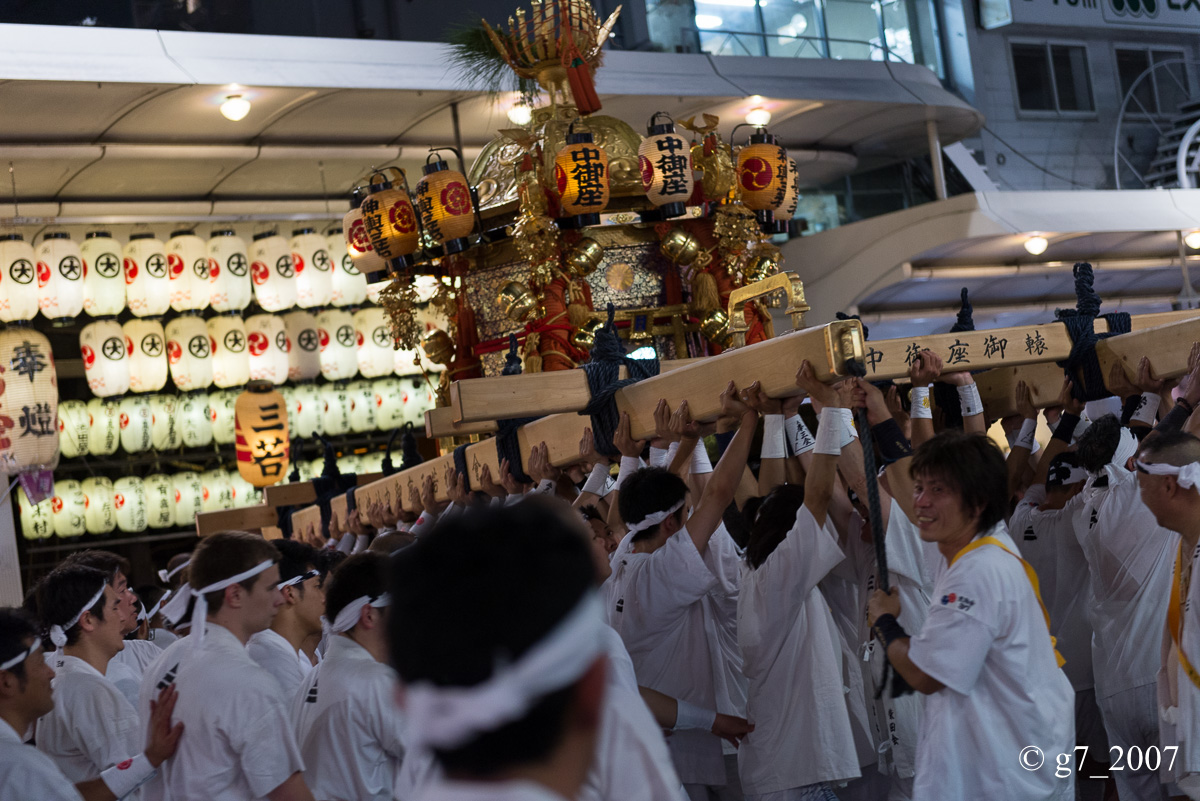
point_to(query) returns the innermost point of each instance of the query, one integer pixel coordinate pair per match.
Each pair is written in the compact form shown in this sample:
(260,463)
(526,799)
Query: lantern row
(229,352)
(158,422)
(63,278)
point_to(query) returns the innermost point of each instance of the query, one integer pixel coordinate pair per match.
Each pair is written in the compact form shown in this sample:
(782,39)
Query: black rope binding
(602,371)
(945,396)
(389,467)
(409,455)
(1082,364)
(508,445)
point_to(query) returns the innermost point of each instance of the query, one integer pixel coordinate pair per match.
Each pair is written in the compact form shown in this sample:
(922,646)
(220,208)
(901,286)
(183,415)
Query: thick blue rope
(1080,321)
(602,371)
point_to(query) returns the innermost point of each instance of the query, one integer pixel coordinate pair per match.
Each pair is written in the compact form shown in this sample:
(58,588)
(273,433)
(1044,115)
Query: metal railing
(1123,152)
(735,43)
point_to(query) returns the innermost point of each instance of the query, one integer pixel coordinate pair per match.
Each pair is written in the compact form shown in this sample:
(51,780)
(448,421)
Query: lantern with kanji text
(60,277)
(314,268)
(446,206)
(195,422)
(262,435)
(68,507)
(146,343)
(336,405)
(187,262)
(349,283)
(229,283)
(362,406)
(273,272)
(189,498)
(389,221)
(103,278)
(100,512)
(137,427)
(762,170)
(18,279)
(147,276)
(105,358)
(37,520)
(222,410)
(129,499)
(164,422)
(104,426)
(666,164)
(160,501)
(581,176)
(28,410)
(216,491)
(72,428)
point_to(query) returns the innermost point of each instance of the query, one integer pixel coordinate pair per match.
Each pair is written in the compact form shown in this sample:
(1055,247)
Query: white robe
(491,791)
(27,774)
(276,655)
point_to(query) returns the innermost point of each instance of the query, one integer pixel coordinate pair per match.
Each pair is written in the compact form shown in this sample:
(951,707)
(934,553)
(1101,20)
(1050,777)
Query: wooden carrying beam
(1167,347)
(247,518)
(306,526)
(396,486)
(439,422)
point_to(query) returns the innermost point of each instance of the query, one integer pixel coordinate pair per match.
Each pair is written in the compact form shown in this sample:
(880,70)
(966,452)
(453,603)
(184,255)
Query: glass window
(1052,77)
(853,28)
(729,27)
(1031,66)
(1160,92)
(1130,65)
(1071,78)
(793,28)
(1171,81)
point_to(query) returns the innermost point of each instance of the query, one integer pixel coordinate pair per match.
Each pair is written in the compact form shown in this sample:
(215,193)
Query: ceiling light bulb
(520,115)
(1036,245)
(235,108)
(758,117)
(1192,239)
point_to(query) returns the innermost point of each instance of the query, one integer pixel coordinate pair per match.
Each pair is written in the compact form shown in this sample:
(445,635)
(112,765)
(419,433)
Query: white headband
(166,576)
(447,717)
(1187,476)
(177,606)
(652,520)
(144,615)
(21,657)
(348,617)
(1070,475)
(1128,446)
(58,634)
(300,579)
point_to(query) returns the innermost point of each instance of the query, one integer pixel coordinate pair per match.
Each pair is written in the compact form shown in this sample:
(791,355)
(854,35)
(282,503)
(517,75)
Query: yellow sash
(1175,621)
(1033,580)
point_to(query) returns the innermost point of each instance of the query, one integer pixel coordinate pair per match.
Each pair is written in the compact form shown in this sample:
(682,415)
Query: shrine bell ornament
(28,410)
(187,264)
(762,171)
(160,501)
(304,356)
(137,428)
(103,276)
(100,513)
(272,272)
(59,277)
(189,498)
(72,428)
(314,268)
(444,201)
(337,344)
(37,520)
(267,345)
(230,358)
(390,221)
(147,277)
(581,177)
(68,508)
(349,283)
(104,426)
(262,435)
(189,353)
(146,343)
(129,500)
(229,283)
(376,357)
(666,165)
(19,280)
(105,358)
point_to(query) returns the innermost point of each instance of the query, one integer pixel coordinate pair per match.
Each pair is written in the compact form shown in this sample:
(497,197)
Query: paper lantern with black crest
(349,283)
(105,358)
(146,343)
(268,345)
(60,277)
(304,358)
(187,262)
(230,359)
(337,344)
(103,276)
(18,280)
(314,268)
(189,353)
(273,272)
(147,276)
(229,283)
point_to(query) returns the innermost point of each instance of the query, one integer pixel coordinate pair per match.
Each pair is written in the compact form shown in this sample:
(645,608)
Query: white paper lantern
(314,268)
(129,499)
(72,428)
(37,522)
(147,346)
(69,509)
(272,272)
(222,411)
(306,411)
(268,345)
(376,357)
(349,285)
(189,353)
(164,422)
(104,426)
(337,408)
(389,404)
(18,279)
(28,408)
(230,359)
(362,406)
(420,399)
(103,278)
(244,493)
(338,343)
(216,492)
(160,501)
(60,277)
(370,463)
(195,421)
(100,514)
(105,358)
(304,356)
(228,271)
(407,362)
(136,427)
(147,283)
(189,498)
(187,263)
(349,464)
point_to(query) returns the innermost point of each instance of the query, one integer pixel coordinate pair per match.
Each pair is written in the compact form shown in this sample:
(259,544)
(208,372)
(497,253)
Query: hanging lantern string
(658,114)
(733,133)
(324,190)
(12,176)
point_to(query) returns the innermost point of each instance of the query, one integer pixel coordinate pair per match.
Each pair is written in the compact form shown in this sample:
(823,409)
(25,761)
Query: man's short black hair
(64,591)
(297,558)
(362,574)
(649,490)
(1099,442)
(773,519)
(481,589)
(973,466)
(105,561)
(16,630)
(590,512)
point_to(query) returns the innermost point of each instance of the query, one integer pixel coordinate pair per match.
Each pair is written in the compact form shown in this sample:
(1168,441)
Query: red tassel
(583,88)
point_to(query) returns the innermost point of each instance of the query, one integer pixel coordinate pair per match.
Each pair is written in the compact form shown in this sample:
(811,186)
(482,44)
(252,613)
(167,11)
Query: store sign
(1156,14)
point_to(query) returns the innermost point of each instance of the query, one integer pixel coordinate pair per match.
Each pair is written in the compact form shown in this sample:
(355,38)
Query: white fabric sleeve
(658,457)
(424,523)
(773,444)
(629,466)
(360,543)
(690,716)
(672,449)
(700,461)
(969,400)
(596,479)
(799,438)
(1147,409)
(921,408)
(546,486)
(1024,438)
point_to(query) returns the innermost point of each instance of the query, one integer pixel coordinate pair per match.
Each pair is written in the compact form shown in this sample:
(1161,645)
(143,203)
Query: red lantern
(389,219)
(763,176)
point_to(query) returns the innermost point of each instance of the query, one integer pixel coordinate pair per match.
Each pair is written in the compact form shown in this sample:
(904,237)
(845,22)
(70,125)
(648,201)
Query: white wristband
(921,409)
(690,716)
(516,497)
(831,432)
(629,466)
(969,400)
(773,443)
(1025,438)
(125,777)
(596,479)
(1147,409)
(545,486)
(799,438)
(700,460)
(672,449)
(658,457)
